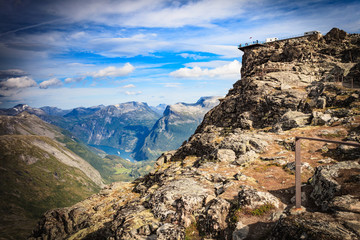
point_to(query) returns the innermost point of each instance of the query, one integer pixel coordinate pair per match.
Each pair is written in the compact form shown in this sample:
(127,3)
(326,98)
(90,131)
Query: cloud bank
(114,71)
(18,82)
(53,82)
(225,71)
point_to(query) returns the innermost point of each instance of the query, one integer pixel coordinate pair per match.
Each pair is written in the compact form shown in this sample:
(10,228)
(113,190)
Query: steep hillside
(37,173)
(176,125)
(234,178)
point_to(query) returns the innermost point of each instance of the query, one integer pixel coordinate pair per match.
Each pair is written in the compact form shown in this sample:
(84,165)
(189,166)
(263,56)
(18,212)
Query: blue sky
(73,53)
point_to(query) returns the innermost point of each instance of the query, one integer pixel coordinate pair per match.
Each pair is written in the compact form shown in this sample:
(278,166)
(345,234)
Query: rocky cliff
(234,178)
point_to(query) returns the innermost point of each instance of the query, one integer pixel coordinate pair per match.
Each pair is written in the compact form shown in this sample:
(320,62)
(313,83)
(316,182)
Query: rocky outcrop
(227,180)
(325,183)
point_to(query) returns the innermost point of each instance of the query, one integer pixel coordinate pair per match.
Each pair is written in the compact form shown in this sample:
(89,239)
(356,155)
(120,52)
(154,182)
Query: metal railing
(264,42)
(298,163)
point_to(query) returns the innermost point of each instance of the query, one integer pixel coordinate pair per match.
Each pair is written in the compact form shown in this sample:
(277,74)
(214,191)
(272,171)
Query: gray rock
(320,118)
(304,165)
(346,203)
(241,231)
(165,157)
(324,184)
(225,155)
(212,221)
(170,232)
(177,200)
(246,158)
(294,119)
(311,226)
(249,197)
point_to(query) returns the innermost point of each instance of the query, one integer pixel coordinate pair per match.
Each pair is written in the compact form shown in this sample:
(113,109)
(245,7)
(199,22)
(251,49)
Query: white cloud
(80,65)
(18,82)
(133,93)
(112,71)
(129,46)
(129,86)
(229,70)
(53,82)
(193,56)
(78,35)
(74,79)
(160,13)
(210,64)
(172,85)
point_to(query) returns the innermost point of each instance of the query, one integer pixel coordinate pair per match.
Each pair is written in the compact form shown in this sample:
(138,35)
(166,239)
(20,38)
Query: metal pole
(298,162)
(297,173)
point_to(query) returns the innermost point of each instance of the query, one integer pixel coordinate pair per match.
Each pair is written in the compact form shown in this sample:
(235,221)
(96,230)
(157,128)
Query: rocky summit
(234,177)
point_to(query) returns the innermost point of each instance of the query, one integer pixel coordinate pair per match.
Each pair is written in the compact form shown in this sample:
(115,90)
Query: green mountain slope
(37,173)
(33,180)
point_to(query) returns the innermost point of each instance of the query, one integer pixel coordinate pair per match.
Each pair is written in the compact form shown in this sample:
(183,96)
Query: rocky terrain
(234,177)
(177,124)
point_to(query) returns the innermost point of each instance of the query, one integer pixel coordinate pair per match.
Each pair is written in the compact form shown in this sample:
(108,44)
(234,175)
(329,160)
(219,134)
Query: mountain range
(132,130)
(178,122)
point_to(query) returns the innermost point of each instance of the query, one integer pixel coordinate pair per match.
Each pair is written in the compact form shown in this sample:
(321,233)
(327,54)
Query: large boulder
(313,226)
(326,182)
(212,222)
(293,119)
(252,198)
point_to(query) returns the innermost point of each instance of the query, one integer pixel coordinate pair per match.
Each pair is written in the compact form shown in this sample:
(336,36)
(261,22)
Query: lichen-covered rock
(294,119)
(325,182)
(247,157)
(177,200)
(59,223)
(212,222)
(320,118)
(225,155)
(252,198)
(170,232)
(165,157)
(133,222)
(312,226)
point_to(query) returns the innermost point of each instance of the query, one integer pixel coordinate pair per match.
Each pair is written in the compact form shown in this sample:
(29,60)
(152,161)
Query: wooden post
(298,163)
(297,172)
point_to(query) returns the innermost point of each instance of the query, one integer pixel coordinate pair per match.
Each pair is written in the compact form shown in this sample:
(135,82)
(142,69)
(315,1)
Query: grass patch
(192,232)
(263,209)
(122,170)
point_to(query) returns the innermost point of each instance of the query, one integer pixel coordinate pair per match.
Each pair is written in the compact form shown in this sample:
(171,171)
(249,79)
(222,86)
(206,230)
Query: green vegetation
(236,212)
(112,168)
(33,181)
(126,171)
(265,208)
